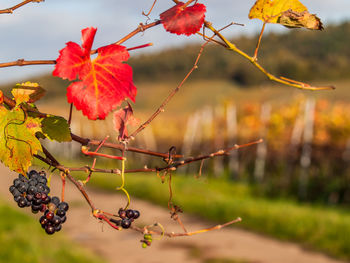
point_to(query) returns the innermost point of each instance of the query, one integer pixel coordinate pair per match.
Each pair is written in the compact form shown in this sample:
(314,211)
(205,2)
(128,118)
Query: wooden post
(295,142)
(232,131)
(261,151)
(218,137)
(190,136)
(305,159)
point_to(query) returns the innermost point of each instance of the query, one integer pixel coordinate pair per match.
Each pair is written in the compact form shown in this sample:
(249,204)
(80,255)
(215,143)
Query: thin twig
(255,57)
(150,11)
(170,167)
(121,147)
(70,114)
(187,3)
(22,62)
(11,9)
(140,28)
(161,108)
(172,234)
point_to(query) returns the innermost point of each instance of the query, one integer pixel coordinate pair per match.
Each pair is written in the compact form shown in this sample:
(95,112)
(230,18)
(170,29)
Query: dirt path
(124,246)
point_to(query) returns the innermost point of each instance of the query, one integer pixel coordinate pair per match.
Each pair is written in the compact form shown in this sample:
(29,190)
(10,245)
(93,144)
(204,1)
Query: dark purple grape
(43,208)
(46,190)
(56,221)
(36,208)
(126,223)
(136,214)
(116,222)
(60,212)
(22,202)
(17,182)
(22,178)
(17,197)
(43,220)
(16,193)
(43,196)
(63,219)
(33,182)
(46,200)
(32,174)
(58,228)
(42,180)
(12,189)
(32,189)
(50,215)
(64,206)
(29,197)
(55,200)
(40,187)
(50,229)
(36,201)
(22,187)
(130,213)
(122,213)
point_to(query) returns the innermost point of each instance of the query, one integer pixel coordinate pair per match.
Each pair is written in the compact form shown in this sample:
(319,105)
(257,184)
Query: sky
(40,30)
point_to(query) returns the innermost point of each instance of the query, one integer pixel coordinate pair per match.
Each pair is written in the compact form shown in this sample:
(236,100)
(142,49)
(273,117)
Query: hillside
(299,54)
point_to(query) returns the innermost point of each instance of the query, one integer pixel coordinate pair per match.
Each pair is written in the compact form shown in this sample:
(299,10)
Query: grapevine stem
(13,8)
(170,96)
(122,185)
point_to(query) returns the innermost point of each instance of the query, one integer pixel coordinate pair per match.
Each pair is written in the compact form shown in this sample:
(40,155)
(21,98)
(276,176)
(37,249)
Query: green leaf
(56,129)
(27,92)
(290,13)
(18,143)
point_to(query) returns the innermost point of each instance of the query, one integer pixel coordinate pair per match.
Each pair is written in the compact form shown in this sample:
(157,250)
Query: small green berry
(148,237)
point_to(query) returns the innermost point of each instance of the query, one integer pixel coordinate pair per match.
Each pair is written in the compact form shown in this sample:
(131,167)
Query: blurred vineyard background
(305,153)
(306,150)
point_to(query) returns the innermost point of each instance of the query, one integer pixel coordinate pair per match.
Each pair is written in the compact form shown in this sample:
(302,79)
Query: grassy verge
(321,228)
(23,240)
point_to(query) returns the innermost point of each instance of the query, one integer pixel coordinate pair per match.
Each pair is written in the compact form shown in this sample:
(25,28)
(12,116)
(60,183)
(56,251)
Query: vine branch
(161,108)
(282,80)
(11,9)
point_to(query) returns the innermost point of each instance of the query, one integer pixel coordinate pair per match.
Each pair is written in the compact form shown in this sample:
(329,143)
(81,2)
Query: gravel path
(124,246)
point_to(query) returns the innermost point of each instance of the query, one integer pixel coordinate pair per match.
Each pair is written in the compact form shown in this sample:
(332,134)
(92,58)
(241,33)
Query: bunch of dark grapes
(54,216)
(126,217)
(32,191)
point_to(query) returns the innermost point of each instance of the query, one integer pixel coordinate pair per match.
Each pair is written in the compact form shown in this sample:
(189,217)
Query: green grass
(320,228)
(23,240)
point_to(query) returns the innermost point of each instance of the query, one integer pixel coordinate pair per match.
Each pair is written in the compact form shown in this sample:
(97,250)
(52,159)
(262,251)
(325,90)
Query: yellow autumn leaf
(304,19)
(27,92)
(290,13)
(18,142)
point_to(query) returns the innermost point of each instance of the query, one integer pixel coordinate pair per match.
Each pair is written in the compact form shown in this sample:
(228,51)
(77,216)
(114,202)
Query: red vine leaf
(183,20)
(122,118)
(104,82)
